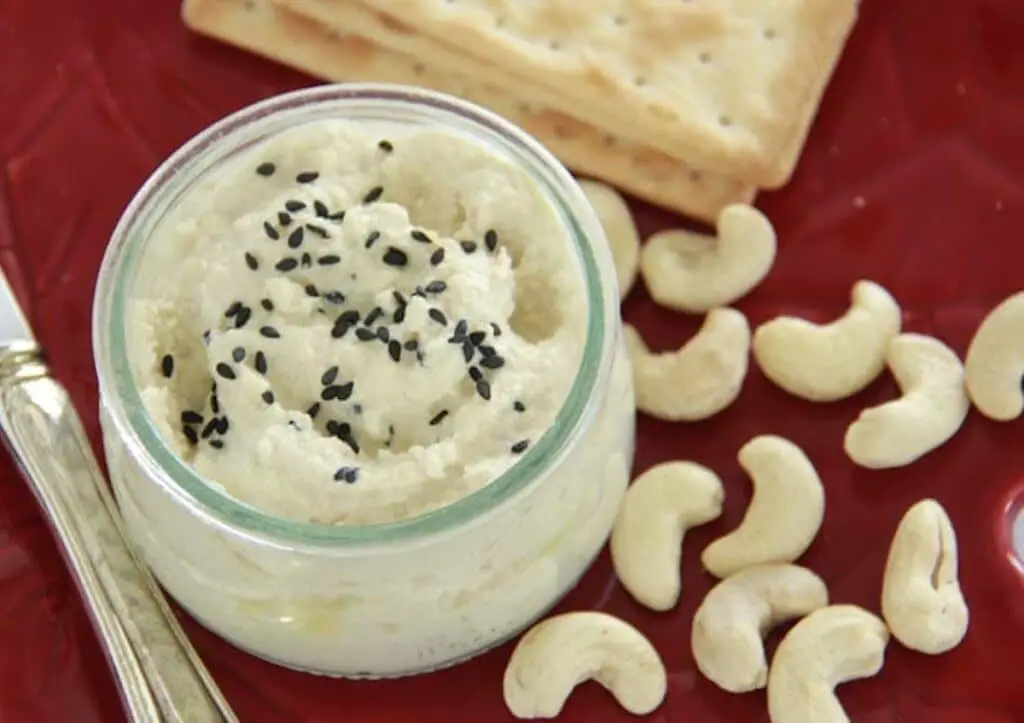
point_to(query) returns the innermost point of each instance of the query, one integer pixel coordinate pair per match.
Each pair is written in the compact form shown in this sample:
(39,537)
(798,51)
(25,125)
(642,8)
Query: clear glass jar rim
(121,398)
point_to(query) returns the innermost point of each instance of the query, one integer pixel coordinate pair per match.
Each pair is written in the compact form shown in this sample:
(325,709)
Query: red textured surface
(913,176)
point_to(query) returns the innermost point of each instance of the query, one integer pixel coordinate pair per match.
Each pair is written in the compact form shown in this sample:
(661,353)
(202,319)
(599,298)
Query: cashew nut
(619,227)
(784,515)
(833,645)
(694,272)
(995,361)
(931,409)
(659,507)
(730,625)
(921,598)
(700,379)
(563,651)
(828,362)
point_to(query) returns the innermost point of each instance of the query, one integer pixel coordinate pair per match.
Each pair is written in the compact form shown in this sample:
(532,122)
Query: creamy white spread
(353,324)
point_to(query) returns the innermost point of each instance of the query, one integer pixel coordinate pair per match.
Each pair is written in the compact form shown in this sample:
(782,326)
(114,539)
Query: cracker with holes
(310,46)
(729,85)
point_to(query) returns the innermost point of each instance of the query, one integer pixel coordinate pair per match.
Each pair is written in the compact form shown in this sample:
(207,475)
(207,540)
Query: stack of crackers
(688,104)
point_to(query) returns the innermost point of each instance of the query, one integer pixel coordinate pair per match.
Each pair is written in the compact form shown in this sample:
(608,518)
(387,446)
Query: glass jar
(383,599)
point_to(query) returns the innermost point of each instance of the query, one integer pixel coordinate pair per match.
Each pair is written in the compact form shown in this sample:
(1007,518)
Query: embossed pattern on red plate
(913,176)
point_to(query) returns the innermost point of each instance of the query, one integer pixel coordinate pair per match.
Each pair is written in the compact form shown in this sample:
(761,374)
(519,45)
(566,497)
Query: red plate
(913,177)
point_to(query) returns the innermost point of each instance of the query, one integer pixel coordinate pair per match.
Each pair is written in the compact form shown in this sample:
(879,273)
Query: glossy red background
(913,176)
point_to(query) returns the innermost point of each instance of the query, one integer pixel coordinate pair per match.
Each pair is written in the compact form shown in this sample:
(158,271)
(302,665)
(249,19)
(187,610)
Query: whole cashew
(931,409)
(828,362)
(830,646)
(921,597)
(617,221)
(699,380)
(693,272)
(563,651)
(729,627)
(995,361)
(659,507)
(784,515)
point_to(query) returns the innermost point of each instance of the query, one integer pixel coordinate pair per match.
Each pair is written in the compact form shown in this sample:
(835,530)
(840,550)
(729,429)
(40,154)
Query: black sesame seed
(320,209)
(294,206)
(311,290)
(372,239)
(270,231)
(495,329)
(335,297)
(210,428)
(340,328)
(519,406)
(419,292)
(283,218)
(520,446)
(436,287)
(375,313)
(491,239)
(191,417)
(307,261)
(492,362)
(344,391)
(337,216)
(395,257)
(215,403)
(217,443)
(313,410)
(269,332)
(383,334)
(468,246)
(345,435)
(420,236)
(329,260)
(467,351)
(346,474)
(350,317)
(243,317)
(307,177)
(364,334)
(438,316)
(475,374)
(411,345)
(486,351)
(483,389)
(329,377)
(266,169)
(477,337)
(233,309)
(399,316)
(222,425)
(437,257)
(438,418)
(225,371)
(461,328)
(286,264)
(238,354)
(295,238)
(395,350)
(260,362)
(167,366)
(267,304)
(317,230)
(373,194)
(268,397)
(386,146)
(251,261)
(190,435)
(332,427)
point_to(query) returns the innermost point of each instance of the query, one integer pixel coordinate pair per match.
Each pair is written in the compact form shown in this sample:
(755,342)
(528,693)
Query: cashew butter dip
(355,323)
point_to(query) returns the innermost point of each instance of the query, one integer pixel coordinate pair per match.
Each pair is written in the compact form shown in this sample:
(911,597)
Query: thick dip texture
(355,324)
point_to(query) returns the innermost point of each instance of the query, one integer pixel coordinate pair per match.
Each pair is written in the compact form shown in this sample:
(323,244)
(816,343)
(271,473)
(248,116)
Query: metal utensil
(160,675)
